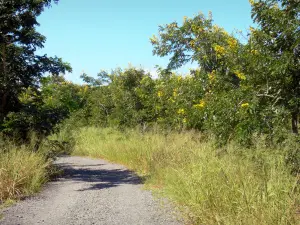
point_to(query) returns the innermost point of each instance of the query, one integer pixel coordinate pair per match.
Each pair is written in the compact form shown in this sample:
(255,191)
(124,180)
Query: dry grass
(21,172)
(232,186)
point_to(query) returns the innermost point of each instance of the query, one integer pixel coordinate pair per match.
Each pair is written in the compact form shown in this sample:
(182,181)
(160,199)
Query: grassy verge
(22,172)
(232,186)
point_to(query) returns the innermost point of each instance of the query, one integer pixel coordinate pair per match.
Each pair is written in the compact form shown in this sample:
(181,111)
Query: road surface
(90,192)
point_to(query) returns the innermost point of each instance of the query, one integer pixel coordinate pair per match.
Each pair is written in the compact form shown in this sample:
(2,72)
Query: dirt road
(90,192)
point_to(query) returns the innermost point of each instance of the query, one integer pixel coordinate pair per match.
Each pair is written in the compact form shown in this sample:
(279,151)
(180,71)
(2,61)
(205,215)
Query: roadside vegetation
(222,141)
(22,172)
(232,185)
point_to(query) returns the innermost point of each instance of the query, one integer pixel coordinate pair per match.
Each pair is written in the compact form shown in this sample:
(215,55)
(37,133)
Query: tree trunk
(295,123)
(3,105)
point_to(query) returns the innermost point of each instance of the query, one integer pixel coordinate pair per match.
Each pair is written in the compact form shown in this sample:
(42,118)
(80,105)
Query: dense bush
(22,172)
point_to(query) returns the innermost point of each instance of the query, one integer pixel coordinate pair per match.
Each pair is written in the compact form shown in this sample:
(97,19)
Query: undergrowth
(218,186)
(22,172)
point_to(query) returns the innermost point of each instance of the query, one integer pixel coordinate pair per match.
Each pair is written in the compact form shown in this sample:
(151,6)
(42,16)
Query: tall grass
(228,186)
(22,172)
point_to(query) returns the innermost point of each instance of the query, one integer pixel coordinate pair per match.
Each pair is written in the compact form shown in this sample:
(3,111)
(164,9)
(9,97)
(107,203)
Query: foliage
(43,109)
(241,88)
(250,87)
(277,42)
(20,66)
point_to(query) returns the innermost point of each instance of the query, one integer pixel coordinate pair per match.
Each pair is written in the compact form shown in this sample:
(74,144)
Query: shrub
(22,172)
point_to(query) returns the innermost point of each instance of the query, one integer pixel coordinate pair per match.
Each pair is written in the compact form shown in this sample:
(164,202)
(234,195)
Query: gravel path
(90,192)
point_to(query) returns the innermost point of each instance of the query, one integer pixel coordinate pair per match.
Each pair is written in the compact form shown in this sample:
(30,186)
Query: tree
(264,71)
(197,40)
(221,81)
(20,66)
(277,38)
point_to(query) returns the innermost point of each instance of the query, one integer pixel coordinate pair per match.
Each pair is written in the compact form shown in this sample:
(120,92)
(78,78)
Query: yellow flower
(172,25)
(179,78)
(192,43)
(154,39)
(225,33)
(252,30)
(232,43)
(212,75)
(85,89)
(240,75)
(200,105)
(245,105)
(184,120)
(175,94)
(171,100)
(251,2)
(254,52)
(219,50)
(216,28)
(181,111)
(160,93)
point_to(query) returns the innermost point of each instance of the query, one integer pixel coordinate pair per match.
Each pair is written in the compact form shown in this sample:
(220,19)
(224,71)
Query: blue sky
(105,34)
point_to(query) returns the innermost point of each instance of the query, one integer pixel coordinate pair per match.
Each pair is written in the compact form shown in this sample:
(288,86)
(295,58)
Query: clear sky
(105,34)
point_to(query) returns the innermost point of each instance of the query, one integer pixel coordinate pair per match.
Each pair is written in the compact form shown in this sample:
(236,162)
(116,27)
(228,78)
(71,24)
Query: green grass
(228,186)
(22,172)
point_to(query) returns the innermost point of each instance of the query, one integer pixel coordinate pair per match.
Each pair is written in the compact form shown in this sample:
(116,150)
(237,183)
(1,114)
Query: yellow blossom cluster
(154,39)
(85,89)
(181,111)
(216,28)
(192,43)
(245,105)
(200,105)
(225,32)
(175,94)
(254,52)
(185,18)
(240,75)
(220,50)
(172,25)
(171,100)
(252,30)
(160,93)
(232,43)
(197,29)
(184,120)
(158,107)
(251,2)
(212,76)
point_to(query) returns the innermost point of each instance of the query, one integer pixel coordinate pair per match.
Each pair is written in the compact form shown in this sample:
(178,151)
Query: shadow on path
(99,178)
